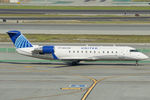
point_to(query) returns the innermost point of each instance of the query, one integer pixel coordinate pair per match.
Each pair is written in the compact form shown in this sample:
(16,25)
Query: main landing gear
(73,63)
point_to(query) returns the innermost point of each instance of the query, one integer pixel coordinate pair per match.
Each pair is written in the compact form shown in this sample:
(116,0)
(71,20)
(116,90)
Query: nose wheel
(137,63)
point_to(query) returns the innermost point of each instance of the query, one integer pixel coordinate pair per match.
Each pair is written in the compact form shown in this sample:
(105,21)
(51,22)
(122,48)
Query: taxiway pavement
(44,81)
(87,81)
(48,11)
(129,19)
(113,29)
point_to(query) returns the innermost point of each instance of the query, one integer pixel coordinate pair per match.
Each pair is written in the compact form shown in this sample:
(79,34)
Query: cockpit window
(134,51)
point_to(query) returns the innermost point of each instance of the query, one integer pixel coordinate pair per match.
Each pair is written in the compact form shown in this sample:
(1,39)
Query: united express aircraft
(74,54)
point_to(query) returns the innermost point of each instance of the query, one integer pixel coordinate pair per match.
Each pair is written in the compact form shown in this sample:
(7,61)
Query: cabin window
(116,52)
(112,52)
(94,51)
(134,51)
(103,52)
(73,51)
(90,51)
(77,51)
(81,51)
(69,51)
(85,51)
(107,51)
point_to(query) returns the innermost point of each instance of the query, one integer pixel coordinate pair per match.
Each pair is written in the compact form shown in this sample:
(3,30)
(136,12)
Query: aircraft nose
(145,57)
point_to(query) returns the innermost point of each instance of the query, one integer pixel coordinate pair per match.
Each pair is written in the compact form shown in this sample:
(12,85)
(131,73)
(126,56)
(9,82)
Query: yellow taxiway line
(93,85)
(90,89)
(28,66)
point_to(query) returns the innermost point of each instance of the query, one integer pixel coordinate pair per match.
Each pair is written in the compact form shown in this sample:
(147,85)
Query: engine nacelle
(44,50)
(48,49)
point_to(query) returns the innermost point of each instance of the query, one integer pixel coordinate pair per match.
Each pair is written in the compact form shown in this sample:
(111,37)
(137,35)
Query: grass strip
(77,7)
(63,15)
(140,0)
(82,38)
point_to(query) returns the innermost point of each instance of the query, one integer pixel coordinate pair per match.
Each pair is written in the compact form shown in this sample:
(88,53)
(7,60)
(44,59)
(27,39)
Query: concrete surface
(121,29)
(71,19)
(43,81)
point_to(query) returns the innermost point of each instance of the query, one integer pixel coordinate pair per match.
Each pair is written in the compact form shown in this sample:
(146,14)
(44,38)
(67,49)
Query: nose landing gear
(137,63)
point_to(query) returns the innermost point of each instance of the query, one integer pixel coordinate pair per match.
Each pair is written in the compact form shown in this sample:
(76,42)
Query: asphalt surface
(21,80)
(80,12)
(47,11)
(78,29)
(80,18)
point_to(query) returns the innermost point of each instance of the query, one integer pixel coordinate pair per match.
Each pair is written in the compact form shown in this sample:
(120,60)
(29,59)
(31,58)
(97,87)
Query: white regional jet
(74,54)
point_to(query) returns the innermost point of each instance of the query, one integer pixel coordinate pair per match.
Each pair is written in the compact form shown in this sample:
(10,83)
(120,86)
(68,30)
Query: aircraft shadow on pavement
(65,65)
(27,63)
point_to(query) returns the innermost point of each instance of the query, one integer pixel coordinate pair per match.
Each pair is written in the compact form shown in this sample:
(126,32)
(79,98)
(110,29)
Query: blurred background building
(79,2)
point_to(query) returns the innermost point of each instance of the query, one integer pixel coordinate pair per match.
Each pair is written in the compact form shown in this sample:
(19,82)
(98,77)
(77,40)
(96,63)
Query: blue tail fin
(19,40)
